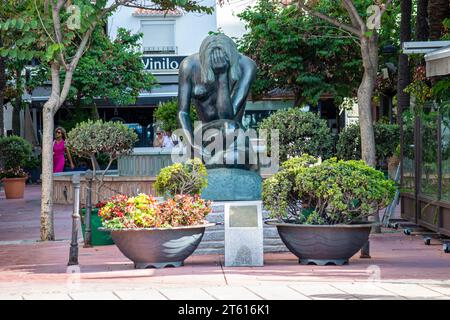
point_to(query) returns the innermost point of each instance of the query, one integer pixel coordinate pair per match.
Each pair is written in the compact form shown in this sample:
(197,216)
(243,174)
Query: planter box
(98,238)
(323,244)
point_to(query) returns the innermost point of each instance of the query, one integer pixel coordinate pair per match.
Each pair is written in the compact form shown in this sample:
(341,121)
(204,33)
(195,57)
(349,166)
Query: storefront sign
(162,63)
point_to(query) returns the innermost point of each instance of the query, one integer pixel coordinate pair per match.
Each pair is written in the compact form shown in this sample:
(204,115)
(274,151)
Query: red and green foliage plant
(144,211)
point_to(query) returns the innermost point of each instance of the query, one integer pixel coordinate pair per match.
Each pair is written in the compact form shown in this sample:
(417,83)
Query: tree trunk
(422,30)
(369,54)
(16,116)
(2,90)
(403,98)
(438,10)
(365,91)
(47,228)
(48,112)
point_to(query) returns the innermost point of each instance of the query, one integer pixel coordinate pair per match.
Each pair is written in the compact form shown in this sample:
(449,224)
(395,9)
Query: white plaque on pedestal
(243,234)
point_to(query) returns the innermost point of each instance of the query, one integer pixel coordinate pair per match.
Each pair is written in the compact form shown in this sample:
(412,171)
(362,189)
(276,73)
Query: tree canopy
(299,52)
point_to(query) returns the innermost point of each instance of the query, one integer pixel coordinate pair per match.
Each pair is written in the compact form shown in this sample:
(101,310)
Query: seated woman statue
(216,80)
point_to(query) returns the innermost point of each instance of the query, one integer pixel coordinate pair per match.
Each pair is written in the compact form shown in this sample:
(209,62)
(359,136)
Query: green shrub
(279,194)
(167,115)
(15,152)
(333,192)
(387,138)
(182,178)
(91,138)
(299,132)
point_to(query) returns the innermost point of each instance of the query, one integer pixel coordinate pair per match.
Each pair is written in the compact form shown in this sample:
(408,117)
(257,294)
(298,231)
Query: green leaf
(4,52)
(20,23)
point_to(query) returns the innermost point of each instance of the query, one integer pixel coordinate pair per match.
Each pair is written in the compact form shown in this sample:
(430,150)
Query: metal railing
(162,50)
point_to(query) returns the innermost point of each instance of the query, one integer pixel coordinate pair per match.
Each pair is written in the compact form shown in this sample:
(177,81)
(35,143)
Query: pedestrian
(162,140)
(59,148)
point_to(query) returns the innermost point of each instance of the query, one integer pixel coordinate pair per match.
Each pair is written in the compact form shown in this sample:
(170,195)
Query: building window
(159,37)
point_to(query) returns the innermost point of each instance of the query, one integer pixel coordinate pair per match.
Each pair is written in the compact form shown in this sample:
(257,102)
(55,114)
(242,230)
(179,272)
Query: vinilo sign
(162,63)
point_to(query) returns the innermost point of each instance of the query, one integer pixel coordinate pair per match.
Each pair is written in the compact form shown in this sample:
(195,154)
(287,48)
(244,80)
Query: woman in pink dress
(58,151)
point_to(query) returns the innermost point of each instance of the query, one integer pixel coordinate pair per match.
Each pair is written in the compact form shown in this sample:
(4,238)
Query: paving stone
(409,291)
(277,293)
(232,293)
(94,295)
(443,289)
(47,296)
(150,294)
(10,297)
(186,294)
(366,291)
(321,291)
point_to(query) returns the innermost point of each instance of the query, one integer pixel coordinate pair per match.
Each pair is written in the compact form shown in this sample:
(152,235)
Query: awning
(161,93)
(438,62)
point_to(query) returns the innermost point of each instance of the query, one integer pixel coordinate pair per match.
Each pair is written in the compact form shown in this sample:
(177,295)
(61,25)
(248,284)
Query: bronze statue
(216,81)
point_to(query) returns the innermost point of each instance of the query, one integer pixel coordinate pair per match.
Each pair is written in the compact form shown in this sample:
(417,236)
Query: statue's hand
(219,61)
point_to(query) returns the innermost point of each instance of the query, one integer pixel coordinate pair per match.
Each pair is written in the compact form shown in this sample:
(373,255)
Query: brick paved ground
(402,267)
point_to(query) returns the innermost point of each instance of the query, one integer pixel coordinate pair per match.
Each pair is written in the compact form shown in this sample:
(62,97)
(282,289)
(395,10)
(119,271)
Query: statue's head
(229,49)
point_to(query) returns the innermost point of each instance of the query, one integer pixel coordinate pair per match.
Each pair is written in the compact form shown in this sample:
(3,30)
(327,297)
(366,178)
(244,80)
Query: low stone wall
(113,184)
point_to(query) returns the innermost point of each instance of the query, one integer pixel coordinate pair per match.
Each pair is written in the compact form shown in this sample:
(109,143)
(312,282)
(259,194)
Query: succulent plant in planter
(320,207)
(153,234)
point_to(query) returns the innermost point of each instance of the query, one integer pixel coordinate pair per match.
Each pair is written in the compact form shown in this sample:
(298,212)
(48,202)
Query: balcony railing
(161,50)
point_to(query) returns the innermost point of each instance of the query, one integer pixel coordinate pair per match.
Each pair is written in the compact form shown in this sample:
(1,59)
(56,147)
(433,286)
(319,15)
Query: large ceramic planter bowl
(323,244)
(14,187)
(159,247)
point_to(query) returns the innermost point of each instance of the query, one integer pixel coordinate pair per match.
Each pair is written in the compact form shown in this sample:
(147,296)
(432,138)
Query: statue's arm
(184,100)
(243,86)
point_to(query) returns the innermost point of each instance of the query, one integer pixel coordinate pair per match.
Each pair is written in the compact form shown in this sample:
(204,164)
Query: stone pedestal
(232,184)
(244,243)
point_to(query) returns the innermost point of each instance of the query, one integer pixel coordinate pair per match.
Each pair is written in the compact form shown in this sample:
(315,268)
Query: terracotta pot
(14,187)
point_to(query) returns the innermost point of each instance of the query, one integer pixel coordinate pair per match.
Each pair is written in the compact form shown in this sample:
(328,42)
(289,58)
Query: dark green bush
(167,115)
(333,192)
(387,138)
(300,133)
(15,152)
(182,178)
(279,191)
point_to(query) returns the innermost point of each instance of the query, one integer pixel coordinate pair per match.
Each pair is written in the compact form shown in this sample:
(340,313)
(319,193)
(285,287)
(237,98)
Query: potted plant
(14,182)
(153,234)
(15,152)
(98,139)
(190,177)
(320,208)
(91,139)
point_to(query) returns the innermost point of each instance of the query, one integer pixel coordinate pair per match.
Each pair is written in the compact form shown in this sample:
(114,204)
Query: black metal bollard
(88,225)
(73,255)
